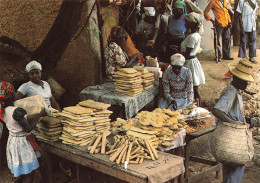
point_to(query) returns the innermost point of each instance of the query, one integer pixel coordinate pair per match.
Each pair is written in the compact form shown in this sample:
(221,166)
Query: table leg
(187,161)
(78,174)
(46,165)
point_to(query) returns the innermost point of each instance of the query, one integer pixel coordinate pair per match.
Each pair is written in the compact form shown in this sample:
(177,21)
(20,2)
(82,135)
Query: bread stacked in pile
(78,125)
(147,77)
(49,128)
(83,121)
(101,114)
(128,81)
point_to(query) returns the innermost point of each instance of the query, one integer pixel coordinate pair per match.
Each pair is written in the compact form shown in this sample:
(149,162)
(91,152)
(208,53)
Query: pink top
(12,125)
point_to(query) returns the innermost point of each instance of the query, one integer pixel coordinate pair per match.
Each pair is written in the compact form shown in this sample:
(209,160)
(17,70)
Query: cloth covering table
(164,169)
(106,93)
(178,142)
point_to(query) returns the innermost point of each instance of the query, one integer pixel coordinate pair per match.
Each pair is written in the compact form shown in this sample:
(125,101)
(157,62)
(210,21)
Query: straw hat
(243,70)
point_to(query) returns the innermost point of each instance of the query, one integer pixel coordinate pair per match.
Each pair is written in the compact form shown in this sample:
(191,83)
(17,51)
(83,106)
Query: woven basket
(232,144)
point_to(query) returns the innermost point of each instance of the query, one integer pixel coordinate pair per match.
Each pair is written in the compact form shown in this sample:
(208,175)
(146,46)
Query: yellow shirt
(221,12)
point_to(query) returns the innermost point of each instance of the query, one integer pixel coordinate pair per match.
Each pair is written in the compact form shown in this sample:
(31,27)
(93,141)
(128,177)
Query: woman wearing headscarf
(190,47)
(177,85)
(120,51)
(176,25)
(21,156)
(36,86)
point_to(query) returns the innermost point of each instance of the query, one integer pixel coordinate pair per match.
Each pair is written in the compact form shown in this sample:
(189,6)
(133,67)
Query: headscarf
(6,90)
(33,65)
(149,11)
(177,59)
(181,5)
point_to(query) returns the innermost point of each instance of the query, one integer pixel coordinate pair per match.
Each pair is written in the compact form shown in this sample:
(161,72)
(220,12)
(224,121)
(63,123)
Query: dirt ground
(215,82)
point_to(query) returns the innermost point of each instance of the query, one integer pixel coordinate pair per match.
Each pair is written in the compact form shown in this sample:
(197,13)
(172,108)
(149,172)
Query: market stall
(165,168)
(87,132)
(131,91)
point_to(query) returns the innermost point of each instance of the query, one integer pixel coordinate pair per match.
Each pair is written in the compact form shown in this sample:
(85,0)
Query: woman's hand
(174,105)
(133,60)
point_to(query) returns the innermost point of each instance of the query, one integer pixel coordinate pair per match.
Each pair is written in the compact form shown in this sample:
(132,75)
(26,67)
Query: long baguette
(93,140)
(124,156)
(103,146)
(111,151)
(95,145)
(153,149)
(129,151)
(141,160)
(117,153)
(121,154)
(149,149)
(136,155)
(137,149)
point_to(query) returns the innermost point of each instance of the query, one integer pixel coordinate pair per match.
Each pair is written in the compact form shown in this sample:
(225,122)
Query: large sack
(33,105)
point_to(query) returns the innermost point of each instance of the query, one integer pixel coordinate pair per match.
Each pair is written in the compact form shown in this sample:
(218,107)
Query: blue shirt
(231,103)
(176,27)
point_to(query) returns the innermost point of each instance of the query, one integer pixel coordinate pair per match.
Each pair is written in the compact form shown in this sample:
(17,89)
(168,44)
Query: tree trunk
(56,41)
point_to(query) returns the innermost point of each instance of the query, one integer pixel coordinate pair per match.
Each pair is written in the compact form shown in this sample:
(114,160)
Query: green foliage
(84,38)
(95,32)
(109,19)
(6,45)
(41,10)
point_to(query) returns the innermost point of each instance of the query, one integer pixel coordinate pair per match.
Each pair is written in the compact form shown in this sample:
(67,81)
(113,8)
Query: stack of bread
(159,126)
(128,81)
(163,121)
(49,128)
(78,125)
(147,77)
(101,114)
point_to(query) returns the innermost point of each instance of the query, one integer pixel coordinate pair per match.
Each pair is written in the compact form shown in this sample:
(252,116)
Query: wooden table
(100,163)
(216,167)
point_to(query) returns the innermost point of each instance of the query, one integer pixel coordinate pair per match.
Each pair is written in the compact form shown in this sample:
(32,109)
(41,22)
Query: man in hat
(229,108)
(247,10)
(177,85)
(223,24)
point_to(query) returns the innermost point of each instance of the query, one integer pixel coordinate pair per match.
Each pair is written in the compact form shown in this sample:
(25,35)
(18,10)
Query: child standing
(21,156)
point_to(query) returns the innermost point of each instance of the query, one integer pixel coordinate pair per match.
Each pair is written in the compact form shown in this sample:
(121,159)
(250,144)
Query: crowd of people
(179,29)
(175,35)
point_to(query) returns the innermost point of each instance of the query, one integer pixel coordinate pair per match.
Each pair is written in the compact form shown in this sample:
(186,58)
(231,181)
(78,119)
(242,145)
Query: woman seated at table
(177,85)
(120,51)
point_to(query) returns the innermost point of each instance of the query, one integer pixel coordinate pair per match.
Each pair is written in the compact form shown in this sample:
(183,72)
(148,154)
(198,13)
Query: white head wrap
(177,59)
(149,11)
(33,65)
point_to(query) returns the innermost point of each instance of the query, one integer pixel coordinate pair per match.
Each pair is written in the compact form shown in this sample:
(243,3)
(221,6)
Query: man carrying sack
(231,142)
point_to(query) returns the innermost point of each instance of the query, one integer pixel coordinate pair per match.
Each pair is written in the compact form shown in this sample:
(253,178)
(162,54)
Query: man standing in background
(247,10)
(223,25)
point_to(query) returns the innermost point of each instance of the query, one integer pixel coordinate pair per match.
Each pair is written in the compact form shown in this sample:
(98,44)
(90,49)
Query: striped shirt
(178,86)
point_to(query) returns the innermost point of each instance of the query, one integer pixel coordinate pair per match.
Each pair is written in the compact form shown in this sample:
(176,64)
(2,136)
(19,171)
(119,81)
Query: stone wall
(28,23)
